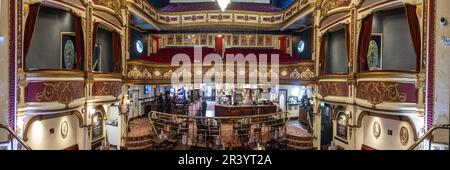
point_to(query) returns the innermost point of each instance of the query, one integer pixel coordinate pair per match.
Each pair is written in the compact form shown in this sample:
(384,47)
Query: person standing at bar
(204,107)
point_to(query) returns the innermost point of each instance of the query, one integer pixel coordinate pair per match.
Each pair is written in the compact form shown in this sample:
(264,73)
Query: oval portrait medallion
(404,136)
(64,129)
(376,129)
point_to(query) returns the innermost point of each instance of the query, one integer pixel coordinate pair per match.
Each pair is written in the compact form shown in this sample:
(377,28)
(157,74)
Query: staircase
(138,143)
(142,141)
(300,142)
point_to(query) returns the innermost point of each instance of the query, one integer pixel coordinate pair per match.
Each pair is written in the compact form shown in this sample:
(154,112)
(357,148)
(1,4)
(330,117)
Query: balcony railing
(145,72)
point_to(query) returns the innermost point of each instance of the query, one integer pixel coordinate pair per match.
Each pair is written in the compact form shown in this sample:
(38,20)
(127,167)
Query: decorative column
(88,23)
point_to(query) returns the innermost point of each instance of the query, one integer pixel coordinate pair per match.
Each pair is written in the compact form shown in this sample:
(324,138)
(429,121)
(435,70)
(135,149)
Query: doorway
(134,104)
(326,130)
(282,98)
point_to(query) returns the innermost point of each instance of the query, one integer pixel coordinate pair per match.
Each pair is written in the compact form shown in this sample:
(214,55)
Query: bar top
(245,105)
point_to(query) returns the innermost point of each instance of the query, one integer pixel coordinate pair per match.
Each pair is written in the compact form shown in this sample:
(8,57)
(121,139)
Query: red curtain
(29,28)
(364,40)
(347,41)
(219,44)
(283,45)
(323,45)
(117,51)
(414,30)
(79,42)
(94,37)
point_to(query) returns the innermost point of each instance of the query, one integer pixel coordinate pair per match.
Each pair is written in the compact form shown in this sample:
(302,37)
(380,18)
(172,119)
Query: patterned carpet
(141,127)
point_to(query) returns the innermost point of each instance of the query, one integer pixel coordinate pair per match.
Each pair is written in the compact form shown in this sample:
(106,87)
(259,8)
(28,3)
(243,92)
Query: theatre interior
(314,74)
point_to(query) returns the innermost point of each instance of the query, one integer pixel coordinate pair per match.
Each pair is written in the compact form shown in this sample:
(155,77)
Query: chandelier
(223,4)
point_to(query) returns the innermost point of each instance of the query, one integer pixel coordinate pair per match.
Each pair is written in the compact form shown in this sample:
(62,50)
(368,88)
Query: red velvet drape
(364,40)
(117,51)
(347,41)
(219,44)
(323,45)
(29,28)
(283,45)
(79,42)
(94,37)
(414,30)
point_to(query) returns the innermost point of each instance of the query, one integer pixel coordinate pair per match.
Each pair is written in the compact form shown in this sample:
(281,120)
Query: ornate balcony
(278,18)
(336,88)
(389,90)
(146,72)
(106,87)
(53,90)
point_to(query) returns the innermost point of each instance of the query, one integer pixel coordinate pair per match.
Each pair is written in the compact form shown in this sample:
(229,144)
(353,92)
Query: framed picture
(342,125)
(375,52)
(97,58)
(67,51)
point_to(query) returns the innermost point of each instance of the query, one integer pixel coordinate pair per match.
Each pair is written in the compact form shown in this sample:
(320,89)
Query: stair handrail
(310,123)
(14,134)
(152,125)
(125,131)
(428,133)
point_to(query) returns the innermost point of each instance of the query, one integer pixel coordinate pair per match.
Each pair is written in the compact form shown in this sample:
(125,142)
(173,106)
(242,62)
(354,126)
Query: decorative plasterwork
(330,7)
(377,92)
(107,88)
(330,88)
(145,72)
(214,16)
(63,92)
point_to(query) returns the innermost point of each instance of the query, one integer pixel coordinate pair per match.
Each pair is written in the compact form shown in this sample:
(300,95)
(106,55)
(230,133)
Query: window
(301,46)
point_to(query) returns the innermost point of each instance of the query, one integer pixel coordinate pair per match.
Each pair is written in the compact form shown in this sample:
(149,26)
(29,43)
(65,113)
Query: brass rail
(14,134)
(427,134)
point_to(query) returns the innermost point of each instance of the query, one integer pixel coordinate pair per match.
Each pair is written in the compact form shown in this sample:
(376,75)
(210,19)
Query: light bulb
(223,4)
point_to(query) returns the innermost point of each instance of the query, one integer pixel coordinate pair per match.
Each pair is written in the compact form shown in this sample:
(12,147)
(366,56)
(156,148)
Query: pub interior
(224,75)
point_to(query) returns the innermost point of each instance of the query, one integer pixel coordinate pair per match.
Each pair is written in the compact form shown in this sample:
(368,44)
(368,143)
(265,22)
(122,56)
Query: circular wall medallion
(139,46)
(64,129)
(404,136)
(376,129)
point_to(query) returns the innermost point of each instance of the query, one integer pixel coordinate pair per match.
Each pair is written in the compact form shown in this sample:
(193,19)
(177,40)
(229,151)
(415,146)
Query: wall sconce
(2,38)
(445,40)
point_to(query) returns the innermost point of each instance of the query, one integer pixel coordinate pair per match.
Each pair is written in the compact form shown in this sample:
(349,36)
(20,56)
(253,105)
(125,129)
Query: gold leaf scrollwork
(307,74)
(135,73)
(330,89)
(146,74)
(295,74)
(379,92)
(168,74)
(110,88)
(63,92)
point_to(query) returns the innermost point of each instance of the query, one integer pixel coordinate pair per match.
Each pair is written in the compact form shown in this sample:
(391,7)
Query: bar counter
(243,110)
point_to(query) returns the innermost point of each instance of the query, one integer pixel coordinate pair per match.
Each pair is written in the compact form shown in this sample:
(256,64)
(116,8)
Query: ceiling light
(223,4)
